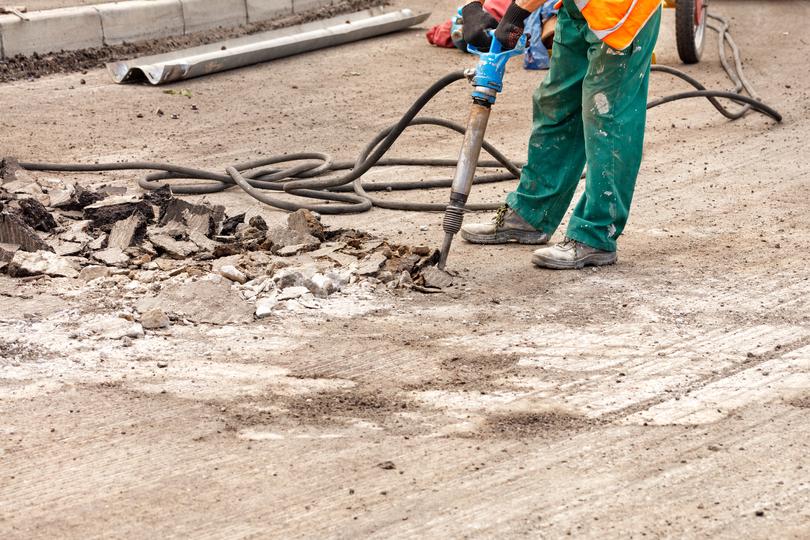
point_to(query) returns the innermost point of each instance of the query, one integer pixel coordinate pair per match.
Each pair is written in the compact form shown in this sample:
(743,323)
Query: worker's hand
(511,26)
(475,23)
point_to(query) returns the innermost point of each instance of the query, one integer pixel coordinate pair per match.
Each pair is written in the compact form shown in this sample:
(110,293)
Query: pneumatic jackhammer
(487,81)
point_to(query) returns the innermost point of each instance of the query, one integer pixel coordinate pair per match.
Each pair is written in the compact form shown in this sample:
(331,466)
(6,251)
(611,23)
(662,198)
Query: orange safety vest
(617,22)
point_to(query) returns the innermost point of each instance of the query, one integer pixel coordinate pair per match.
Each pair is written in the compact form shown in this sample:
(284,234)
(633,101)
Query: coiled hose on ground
(315,175)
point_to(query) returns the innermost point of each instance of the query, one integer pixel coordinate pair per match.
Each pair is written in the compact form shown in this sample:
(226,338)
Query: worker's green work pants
(590,108)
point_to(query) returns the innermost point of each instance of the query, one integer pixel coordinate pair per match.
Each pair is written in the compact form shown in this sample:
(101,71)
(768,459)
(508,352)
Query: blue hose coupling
(491,67)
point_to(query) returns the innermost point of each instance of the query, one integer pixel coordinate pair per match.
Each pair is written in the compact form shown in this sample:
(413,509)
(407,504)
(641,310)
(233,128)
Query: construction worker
(590,109)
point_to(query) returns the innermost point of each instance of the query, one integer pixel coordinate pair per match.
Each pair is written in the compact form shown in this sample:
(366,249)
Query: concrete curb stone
(137,20)
(51,31)
(263,10)
(93,26)
(205,14)
(300,6)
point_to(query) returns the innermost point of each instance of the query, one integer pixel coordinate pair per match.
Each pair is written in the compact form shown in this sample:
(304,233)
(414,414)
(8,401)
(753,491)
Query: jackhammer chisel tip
(445,249)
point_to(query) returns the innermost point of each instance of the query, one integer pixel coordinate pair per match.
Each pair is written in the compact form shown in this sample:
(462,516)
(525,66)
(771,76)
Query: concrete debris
(322,286)
(265,306)
(233,273)
(27,188)
(202,301)
(111,257)
(306,222)
(188,248)
(155,319)
(170,243)
(201,218)
(257,222)
(36,263)
(289,278)
(61,247)
(434,278)
(405,280)
(89,273)
(115,328)
(295,249)
(371,264)
(291,293)
(281,237)
(127,232)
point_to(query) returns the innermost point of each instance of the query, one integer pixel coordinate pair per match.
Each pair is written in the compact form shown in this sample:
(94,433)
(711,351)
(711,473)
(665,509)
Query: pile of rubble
(58,229)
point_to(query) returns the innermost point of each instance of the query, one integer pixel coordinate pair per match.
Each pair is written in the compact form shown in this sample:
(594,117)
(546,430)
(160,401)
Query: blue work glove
(511,26)
(475,22)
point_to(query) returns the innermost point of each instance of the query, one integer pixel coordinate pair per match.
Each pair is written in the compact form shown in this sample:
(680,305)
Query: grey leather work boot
(505,227)
(570,254)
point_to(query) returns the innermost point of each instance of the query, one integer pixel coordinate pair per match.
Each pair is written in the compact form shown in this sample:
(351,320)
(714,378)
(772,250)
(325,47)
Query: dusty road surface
(666,396)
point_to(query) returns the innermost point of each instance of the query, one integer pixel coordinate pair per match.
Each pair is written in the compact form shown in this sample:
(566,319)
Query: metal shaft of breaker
(465,173)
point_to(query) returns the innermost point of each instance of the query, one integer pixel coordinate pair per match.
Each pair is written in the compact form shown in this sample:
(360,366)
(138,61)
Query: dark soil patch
(471,372)
(35,66)
(518,425)
(323,408)
(16,351)
(802,402)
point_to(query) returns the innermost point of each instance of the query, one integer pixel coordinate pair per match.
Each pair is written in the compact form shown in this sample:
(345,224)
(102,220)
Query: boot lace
(500,215)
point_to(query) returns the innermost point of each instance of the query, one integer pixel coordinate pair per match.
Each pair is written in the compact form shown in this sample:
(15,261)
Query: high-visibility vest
(617,22)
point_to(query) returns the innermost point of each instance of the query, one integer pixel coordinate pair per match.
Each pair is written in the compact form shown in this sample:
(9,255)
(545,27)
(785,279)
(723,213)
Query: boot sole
(594,259)
(506,237)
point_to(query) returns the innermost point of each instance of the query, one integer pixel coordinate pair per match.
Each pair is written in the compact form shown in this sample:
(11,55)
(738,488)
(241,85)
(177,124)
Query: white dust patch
(601,102)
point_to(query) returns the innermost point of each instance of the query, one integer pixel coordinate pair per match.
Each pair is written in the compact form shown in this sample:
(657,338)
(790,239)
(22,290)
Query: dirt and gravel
(37,65)
(666,396)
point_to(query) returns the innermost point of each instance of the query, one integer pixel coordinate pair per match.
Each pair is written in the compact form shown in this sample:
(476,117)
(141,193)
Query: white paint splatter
(602,133)
(607,193)
(601,102)
(614,52)
(611,230)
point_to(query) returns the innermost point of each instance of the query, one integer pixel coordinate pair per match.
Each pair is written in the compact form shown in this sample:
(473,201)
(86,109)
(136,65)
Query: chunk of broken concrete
(295,249)
(321,286)
(265,306)
(288,278)
(281,237)
(36,263)
(155,319)
(127,232)
(305,222)
(176,249)
(66,248)
(111,257)
(202,218)
(233,273)
(436,279)
(89,273)
(371,264)
(291,293)
(203,301)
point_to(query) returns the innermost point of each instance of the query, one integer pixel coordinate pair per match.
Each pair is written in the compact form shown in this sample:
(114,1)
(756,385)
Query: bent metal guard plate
(234,53)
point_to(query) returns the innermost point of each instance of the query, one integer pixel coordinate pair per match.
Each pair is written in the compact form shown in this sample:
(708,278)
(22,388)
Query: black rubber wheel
(690,29)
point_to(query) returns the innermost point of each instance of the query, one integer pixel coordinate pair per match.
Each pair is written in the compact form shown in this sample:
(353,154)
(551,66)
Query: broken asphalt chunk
(106,213)
(14,231)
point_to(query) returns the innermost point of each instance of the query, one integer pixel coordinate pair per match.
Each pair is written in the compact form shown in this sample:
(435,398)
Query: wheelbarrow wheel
(690,29)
